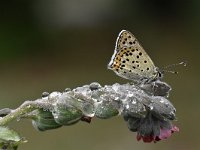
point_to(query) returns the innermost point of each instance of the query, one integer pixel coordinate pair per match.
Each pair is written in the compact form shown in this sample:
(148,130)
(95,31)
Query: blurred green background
(48,45)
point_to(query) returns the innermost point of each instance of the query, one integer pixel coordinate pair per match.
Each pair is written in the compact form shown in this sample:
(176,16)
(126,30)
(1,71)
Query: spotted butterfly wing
(130,60)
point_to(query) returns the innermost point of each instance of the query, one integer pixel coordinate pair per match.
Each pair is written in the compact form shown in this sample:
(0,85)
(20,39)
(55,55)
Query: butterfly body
(130,60)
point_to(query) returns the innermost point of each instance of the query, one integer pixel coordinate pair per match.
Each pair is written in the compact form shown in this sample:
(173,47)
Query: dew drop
(151,107)
(45,94)
(166,104)
(127,106)
(130,94)
(162,101)
(67,90)
(133,101)
(116,98)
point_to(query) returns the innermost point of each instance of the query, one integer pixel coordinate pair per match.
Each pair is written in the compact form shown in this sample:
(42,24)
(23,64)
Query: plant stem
(25,108)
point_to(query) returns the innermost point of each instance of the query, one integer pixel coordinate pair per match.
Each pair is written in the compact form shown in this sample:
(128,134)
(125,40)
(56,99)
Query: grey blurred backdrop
(48,45)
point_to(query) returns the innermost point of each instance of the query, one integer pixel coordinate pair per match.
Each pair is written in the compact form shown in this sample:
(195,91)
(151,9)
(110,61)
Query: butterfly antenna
(184,63)
(166,68)
(171,71)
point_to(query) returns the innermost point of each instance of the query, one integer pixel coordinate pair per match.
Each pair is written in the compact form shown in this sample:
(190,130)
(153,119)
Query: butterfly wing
(130,60)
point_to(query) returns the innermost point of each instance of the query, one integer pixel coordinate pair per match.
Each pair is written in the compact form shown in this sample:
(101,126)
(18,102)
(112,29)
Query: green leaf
(44,120)
(67,115)
(9,139)
(106,110)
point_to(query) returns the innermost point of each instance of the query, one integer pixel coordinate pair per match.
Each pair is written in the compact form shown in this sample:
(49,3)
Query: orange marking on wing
(116,62)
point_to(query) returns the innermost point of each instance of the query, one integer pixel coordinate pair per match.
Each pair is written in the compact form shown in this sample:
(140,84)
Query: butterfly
(130,60)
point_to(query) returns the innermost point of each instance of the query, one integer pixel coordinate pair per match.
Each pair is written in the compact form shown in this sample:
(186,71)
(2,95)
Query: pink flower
(150,128)
(164,134)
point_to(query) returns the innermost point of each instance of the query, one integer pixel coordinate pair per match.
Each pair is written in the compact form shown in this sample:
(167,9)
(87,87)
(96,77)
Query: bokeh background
(49,45)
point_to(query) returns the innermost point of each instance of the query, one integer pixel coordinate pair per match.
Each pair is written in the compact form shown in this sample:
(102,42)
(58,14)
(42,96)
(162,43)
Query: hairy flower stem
(145,108)
(25,108)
